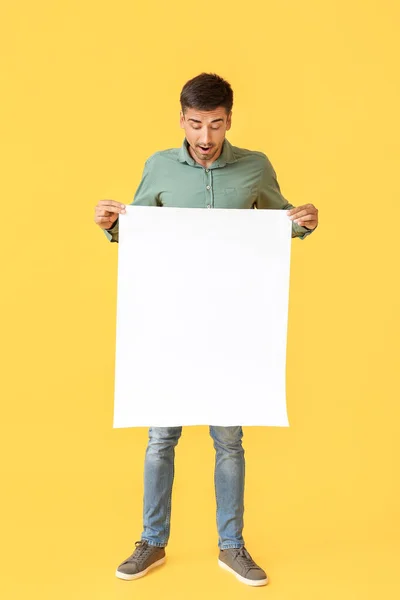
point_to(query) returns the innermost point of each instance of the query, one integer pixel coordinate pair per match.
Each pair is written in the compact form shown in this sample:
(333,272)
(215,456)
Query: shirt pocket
(239,196)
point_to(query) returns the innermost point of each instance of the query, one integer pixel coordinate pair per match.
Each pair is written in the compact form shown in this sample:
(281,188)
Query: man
(206,172)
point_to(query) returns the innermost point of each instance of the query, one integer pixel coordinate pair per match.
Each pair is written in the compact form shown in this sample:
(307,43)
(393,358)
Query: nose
(205,139)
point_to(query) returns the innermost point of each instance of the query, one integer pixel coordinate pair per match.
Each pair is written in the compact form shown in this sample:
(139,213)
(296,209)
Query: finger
(105,213)
(297,209)
(304,207)
(103,220)
(301,213)
(108,204)
(308,225)
(308,220)
(109,208)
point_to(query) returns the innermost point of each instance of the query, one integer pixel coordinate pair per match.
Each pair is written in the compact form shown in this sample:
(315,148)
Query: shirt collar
(227,155)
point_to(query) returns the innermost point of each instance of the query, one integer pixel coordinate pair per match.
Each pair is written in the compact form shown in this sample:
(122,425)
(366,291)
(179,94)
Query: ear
(229,121)
(181,119)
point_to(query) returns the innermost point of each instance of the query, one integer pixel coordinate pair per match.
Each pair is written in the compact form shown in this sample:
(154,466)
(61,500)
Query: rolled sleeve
(112,233)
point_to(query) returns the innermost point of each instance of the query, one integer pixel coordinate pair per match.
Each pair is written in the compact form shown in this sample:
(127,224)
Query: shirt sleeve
(270,196)
(144,196)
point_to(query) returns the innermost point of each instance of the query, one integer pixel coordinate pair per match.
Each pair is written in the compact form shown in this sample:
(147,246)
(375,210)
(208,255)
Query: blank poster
(202,311)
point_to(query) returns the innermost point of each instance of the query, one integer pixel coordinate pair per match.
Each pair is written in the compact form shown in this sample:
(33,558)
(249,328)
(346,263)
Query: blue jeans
(228,478)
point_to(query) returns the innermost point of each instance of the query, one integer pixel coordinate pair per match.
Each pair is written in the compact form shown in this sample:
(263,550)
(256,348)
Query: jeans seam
(216,494)
(167,520)
(168,516)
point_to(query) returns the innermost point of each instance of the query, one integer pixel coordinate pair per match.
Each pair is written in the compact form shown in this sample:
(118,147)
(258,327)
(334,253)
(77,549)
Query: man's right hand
(106,213)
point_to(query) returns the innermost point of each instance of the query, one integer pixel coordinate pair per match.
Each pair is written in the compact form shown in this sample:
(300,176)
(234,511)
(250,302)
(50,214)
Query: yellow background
(89,91)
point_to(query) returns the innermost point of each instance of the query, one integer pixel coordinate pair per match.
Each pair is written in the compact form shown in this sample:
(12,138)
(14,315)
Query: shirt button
(207,187)
(207,170)
(208,205)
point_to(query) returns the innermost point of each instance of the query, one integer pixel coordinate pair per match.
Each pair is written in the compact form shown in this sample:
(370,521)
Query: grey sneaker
(239,562)
(143,558)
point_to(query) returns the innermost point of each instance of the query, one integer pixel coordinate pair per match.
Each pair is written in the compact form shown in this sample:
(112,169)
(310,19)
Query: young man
(205,172)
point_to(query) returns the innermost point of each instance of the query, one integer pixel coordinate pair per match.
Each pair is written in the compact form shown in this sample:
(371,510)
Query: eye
(218,127)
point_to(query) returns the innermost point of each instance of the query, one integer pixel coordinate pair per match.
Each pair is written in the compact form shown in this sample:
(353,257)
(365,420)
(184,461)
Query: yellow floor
(65,530)
(346,571)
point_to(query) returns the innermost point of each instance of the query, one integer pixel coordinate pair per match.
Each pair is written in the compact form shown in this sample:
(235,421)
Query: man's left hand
(305,215)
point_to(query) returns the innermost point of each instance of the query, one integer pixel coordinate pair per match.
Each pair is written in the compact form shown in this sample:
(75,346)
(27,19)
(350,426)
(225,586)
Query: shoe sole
(252,582)
(129,577)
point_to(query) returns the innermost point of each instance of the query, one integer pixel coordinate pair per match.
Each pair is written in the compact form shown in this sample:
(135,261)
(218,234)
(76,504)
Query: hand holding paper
(106,212)
(305,215)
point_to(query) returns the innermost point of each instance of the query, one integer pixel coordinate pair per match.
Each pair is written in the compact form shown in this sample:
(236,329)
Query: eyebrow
(213,121)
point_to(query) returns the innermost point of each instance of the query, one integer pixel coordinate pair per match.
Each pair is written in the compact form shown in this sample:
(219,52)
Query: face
(205,132)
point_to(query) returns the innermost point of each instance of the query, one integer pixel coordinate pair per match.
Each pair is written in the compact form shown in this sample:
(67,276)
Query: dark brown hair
(206,92)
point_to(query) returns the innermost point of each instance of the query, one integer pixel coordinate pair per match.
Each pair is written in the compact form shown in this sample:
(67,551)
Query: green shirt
(239,178)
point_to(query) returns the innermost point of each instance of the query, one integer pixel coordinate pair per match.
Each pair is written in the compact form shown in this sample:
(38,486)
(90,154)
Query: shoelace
(245,559)
(142,551)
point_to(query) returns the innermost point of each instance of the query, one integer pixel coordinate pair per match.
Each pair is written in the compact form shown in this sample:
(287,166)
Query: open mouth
(204,149)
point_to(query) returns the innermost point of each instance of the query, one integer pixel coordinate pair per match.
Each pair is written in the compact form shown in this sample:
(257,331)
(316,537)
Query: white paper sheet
(202,308)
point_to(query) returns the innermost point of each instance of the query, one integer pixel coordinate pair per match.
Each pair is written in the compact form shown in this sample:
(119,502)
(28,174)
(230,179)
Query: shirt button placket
(210,195)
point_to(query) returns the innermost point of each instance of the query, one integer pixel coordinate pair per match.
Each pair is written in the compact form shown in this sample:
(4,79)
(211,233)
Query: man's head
(206,103)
